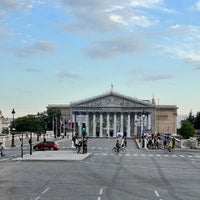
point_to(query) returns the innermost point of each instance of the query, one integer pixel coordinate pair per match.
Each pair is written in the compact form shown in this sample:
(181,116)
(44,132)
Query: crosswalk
(149,155)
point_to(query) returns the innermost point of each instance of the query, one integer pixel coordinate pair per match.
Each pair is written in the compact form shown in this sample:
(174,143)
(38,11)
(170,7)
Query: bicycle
(169,149)
(121,149)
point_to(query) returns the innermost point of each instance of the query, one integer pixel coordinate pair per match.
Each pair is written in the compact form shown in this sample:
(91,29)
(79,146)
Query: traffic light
(83,130)
(83,127)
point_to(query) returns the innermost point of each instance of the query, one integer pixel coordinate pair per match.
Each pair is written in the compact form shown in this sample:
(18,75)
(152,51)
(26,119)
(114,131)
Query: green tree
(187,129)
(30,123)
(191,118)
(197,121)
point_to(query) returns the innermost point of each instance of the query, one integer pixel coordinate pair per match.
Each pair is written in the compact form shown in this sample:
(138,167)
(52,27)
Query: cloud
(157,77)
(89,16)
(182,41)
(32,70)
(152,4)
(14,4)
(145,3)
(144,75)
(115,47)
(198,5)
(37,48)
(66,75)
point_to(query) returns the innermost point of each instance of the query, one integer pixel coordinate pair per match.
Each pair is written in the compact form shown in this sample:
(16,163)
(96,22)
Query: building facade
(111,113)
(1,124)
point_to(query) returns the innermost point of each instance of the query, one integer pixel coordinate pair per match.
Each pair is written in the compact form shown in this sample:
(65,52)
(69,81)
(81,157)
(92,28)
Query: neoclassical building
(112,112)
(107,114)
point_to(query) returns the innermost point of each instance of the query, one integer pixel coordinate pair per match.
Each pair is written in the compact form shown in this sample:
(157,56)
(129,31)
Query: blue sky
(59,51)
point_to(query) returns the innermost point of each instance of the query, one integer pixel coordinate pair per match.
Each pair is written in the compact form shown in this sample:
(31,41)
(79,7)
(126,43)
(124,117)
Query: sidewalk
(53,156)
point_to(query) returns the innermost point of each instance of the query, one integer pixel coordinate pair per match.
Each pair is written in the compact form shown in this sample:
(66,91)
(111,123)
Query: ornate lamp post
(143,129)
(13,129)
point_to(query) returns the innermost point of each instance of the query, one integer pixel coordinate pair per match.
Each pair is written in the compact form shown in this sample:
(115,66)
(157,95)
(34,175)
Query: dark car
(47,145)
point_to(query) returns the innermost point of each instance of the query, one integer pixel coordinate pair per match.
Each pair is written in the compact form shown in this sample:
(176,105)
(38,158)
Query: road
(138,174)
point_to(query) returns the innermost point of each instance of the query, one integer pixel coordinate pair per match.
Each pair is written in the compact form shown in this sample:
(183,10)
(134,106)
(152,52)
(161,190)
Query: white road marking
(156,192)
(101,191)
(45,190)
(37,198)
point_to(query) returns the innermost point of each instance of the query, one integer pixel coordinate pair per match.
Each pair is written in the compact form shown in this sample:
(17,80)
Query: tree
(191,118)
(30,123)
(187,129)
(197,121)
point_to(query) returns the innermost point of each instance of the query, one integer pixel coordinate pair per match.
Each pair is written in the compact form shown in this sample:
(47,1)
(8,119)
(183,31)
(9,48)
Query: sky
(61,51)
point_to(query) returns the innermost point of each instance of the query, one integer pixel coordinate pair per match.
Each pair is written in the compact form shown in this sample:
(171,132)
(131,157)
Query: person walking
(173,142)
(125,142)
(2,149)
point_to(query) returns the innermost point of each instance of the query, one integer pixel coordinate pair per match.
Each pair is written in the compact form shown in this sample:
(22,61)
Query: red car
(48,145)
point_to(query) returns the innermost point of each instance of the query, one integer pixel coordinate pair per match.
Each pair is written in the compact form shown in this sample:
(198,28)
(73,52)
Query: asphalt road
(138,174)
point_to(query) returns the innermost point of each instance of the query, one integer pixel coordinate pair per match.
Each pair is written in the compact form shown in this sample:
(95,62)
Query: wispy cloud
(157,77)
(115,47)
(152,4)
(181,41)
(32,70)
(40,47)
(197,5)
(144,75)
(65,75)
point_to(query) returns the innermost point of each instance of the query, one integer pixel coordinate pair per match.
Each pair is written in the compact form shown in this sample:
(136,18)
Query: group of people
(80,144)
(154,141)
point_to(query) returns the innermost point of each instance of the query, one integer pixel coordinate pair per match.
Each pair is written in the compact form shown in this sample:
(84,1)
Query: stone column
(153,121)
(149,121)
(122,123)
(135,125)
(108,124)
(129,126)
(101,125)
(94,124)
(115,125)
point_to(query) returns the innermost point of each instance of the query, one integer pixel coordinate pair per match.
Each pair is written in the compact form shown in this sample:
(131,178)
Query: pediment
(112,100)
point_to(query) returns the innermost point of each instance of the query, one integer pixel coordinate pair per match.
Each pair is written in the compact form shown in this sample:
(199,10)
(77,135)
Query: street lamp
(13,128)
(143,129)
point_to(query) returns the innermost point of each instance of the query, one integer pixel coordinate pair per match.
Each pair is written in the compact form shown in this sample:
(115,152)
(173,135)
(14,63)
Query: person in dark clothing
(173,142)
(117,146)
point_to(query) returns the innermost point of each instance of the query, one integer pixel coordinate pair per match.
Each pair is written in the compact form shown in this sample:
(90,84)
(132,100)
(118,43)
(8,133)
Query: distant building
(107,114)
(4,123)
(1,122)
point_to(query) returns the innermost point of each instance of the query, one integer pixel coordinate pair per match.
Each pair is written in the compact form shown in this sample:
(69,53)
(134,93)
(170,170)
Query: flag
(69,122)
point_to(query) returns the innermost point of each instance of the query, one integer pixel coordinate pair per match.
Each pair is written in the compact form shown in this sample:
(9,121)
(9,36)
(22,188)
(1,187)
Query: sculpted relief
(111,101)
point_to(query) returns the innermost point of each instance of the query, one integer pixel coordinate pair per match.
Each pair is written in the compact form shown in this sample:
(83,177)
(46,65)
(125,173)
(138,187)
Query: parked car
(47,145)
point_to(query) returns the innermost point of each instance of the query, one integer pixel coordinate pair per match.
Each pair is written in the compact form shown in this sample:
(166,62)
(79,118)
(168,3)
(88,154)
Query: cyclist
(170,145)
(117,146)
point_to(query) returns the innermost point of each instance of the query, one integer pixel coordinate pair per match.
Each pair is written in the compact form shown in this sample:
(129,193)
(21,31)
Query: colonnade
(101,124)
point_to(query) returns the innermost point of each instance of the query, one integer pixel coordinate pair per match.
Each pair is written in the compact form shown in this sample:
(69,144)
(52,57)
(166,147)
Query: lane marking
(156,192)
(101,191)
(37,198)
(45,190)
